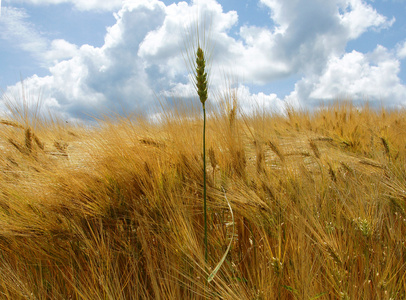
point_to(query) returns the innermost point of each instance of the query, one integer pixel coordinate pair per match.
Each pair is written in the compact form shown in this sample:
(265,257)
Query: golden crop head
(201,75)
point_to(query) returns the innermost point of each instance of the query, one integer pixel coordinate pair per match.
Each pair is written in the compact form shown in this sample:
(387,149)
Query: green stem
(204,183)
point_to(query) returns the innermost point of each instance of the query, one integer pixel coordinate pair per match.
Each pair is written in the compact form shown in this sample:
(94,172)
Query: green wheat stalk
(198,61)
(201,86)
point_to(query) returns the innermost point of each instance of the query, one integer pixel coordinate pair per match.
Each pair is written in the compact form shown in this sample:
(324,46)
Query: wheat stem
(201,86)
(204,183)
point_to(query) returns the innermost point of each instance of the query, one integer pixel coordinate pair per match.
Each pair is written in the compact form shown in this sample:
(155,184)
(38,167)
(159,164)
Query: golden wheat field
(114,210)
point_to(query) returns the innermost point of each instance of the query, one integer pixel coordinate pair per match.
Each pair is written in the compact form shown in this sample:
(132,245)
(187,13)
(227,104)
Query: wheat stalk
(196,58)
(201,87)
(11,123)
(274,147)
(28,139)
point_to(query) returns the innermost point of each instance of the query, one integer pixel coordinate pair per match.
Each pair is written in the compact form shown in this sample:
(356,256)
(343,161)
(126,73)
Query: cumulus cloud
(142,55)
(358,17)
(250,102)
(307,33)
(60,50)
(372,76)
(164,46)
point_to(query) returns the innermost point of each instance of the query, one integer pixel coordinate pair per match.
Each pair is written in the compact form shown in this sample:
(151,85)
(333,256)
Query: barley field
(115,210)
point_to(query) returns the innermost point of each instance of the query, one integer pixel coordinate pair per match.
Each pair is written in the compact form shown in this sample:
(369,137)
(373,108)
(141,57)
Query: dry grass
(115,212)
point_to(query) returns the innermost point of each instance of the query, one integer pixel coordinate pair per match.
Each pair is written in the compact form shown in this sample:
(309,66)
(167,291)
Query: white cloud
(372,76)
(308,32)
(358,17)
(60,50)
(259,102)
(164,46)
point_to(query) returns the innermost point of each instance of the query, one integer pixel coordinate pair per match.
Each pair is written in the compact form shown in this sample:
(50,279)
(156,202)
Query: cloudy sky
(87,56)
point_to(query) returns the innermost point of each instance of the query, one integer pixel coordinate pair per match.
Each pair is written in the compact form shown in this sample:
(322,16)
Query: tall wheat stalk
(197,47)
(201,87)
(196,61)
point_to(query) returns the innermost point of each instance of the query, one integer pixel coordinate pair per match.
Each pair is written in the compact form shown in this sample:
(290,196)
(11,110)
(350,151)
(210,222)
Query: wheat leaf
(217,268)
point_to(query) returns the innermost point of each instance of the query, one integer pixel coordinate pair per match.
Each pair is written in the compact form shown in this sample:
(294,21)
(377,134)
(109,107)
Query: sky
(87,57)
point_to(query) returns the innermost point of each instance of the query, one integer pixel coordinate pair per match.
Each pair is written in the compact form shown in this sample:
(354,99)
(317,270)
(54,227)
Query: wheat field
(115,210)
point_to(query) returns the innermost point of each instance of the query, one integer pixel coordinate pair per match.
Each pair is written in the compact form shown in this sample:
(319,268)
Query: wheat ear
(201,76)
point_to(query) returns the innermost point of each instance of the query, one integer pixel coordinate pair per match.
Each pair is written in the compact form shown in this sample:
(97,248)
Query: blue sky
(89,56)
